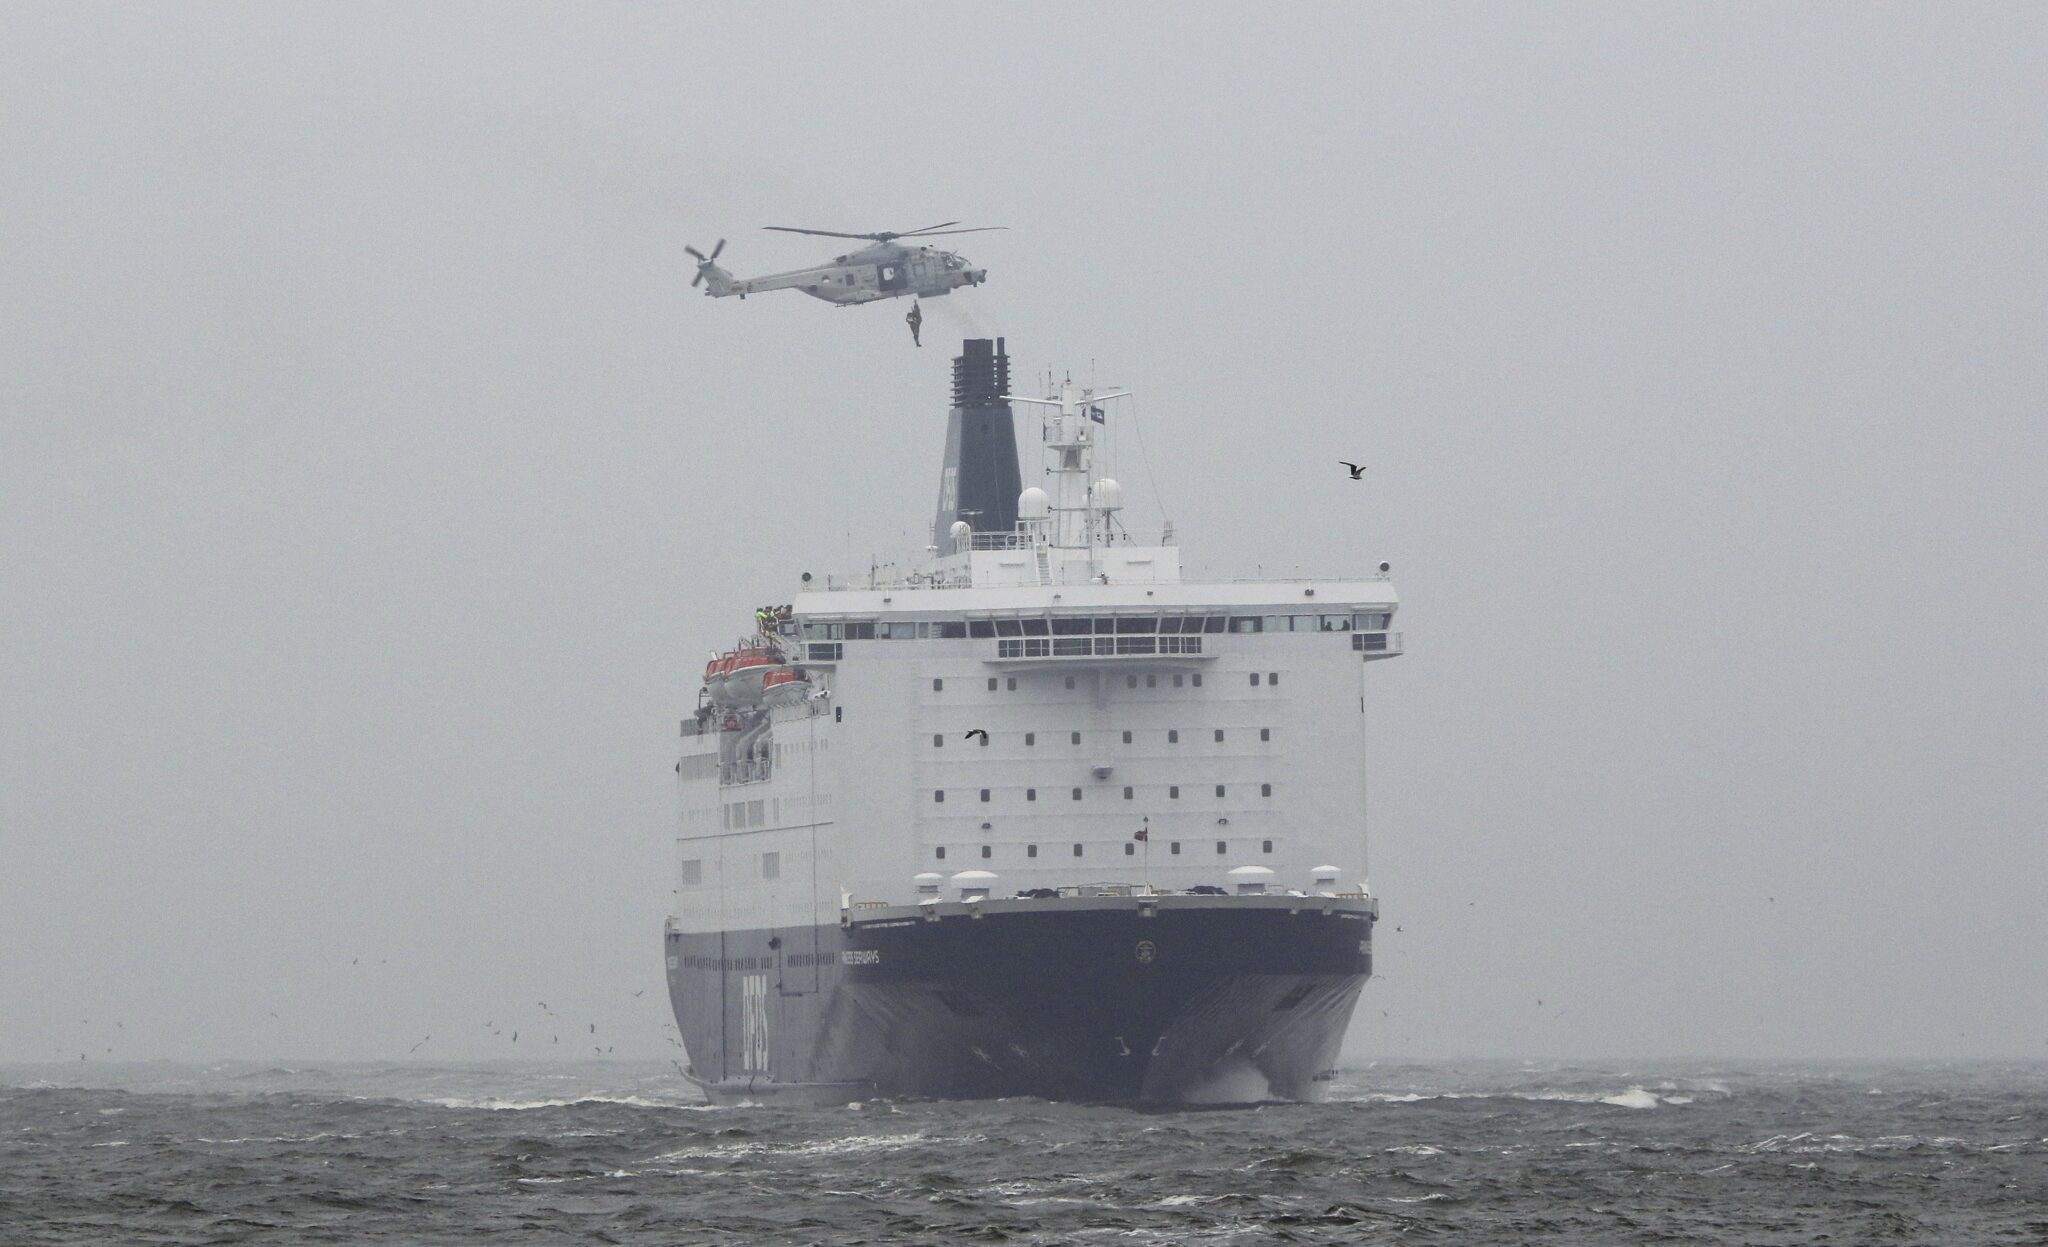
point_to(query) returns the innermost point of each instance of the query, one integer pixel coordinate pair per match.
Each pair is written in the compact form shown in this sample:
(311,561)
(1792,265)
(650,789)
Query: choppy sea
(625,1153)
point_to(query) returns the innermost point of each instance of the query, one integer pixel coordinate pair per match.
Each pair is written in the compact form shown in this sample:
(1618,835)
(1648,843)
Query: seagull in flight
(978,732)
(1357,469)
(416,1047)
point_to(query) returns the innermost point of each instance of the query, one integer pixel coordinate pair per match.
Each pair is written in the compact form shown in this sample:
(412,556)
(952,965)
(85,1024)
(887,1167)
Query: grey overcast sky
(372,482)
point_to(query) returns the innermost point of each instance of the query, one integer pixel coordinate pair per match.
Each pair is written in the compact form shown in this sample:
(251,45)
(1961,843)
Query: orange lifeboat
(745,669)
(785,686)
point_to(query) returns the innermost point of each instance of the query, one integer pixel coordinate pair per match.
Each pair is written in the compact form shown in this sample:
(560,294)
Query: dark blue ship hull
(1168,999)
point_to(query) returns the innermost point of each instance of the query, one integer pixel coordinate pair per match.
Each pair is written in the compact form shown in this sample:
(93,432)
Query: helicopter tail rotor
(705,263)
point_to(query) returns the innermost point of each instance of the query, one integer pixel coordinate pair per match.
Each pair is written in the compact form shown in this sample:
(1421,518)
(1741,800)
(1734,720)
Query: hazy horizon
(372,482)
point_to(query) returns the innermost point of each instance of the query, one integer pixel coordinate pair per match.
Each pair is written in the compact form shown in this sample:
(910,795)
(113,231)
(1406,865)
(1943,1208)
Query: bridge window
(1176,681)
(941,851)
(984,793)
(1173,793)
(939,686)
(1265,790)
(1222,847)
(1012,686)
(1265,846)
(1073,738)
(1255,679)
(1219,790)
(1127,738)
(1265,733)
(1127,792)
(1273,678)
(985,849)
(1030,738)
(1174,848)
(1077,850)
(991,684)
(1130,850)
(938,740)
(1219,734)
(939,795)
(1173,736)
(1031,794)
(1195,680)
(1077,794)
(1031,850)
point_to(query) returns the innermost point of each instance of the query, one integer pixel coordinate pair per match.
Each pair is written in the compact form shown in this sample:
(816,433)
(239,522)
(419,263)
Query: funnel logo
(1146,952)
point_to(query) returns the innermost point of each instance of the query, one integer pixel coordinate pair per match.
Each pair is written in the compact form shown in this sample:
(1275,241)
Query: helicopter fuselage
(883,271)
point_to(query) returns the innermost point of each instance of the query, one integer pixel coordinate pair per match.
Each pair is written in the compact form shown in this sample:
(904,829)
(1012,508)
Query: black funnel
(979,483)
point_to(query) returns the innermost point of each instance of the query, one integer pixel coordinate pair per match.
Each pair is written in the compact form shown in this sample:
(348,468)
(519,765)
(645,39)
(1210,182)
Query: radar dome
(1108,495)
(1032,504)
(960,529)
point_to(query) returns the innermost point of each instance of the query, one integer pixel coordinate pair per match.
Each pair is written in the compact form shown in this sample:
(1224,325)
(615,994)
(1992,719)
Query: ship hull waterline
(1145,1000)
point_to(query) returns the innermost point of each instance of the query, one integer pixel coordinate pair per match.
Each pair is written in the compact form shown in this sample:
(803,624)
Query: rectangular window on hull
(693,872)
(771,865)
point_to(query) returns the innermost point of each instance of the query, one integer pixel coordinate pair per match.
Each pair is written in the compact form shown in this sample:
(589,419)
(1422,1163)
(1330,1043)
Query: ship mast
(1079,509)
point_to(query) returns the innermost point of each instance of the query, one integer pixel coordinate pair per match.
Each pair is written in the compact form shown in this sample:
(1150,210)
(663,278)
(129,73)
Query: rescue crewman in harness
(915,319)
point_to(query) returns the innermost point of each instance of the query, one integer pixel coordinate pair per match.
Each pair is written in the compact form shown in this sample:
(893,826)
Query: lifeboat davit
(785,686)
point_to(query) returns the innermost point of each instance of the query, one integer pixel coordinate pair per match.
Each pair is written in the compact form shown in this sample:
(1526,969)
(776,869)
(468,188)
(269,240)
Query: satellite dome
(1108,495)
(960,529)
(1032,504)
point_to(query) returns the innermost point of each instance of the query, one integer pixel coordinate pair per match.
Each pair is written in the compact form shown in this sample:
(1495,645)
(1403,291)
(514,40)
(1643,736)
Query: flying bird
(416,1047)
(978,732)
(1357,469)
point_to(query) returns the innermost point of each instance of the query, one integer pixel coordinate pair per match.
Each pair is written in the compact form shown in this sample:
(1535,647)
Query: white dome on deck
(1107,495)
(1032,504)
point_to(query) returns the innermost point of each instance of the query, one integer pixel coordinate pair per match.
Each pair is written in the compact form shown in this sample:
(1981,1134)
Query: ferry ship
(1032,815)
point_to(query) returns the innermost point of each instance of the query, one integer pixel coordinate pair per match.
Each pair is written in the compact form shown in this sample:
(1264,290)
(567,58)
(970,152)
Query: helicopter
(886,269)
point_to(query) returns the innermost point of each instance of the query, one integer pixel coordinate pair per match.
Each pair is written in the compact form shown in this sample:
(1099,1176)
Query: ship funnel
(980,481)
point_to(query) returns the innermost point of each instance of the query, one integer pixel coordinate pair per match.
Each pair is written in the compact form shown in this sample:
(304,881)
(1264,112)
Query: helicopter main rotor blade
(926,229)
(934,233)
(701,257)
(827,233)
